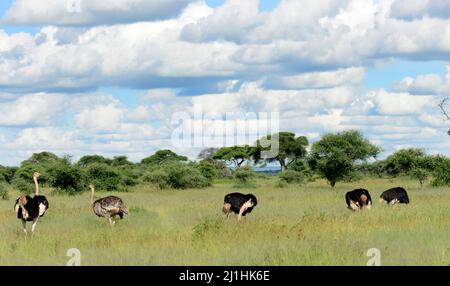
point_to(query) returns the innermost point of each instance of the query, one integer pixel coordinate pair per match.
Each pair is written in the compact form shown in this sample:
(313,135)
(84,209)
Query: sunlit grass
(295,225)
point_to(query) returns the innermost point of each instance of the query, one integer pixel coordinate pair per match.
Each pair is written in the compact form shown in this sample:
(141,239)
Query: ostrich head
(36,175)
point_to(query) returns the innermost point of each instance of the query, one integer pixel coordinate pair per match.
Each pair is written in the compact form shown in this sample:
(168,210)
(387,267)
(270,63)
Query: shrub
(207,226)
(244,175)
(208,170)
(23,178)
(3,191)
(87,160)
(281,184)
(222,171)
(353,176)
(104,177)
(419,174)
(183,176)
(67,178)
(159,178)
(7,174)
(441,171)
(302,167)
(290,176)
(263,175)
(178,176)
(129,175)
(403,161)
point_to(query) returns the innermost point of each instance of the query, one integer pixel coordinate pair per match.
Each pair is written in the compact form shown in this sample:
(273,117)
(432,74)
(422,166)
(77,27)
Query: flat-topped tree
(163,156)
(335,155)
(235,154)
(290,149)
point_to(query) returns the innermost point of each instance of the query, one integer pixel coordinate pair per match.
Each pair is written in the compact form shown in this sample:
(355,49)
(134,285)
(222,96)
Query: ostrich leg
(24,225)
(111,221)
(33,227)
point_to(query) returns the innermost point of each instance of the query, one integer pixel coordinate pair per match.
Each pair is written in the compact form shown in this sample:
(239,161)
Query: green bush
(159,178)
(104,177)
(182,176)
(302,167)
(290,176)
(87,160)
(38,162)
(281,184)
(3,191)
(129,175)
(419,174)
(403,161)
(23,178)
(177,176)
(7,174)
(244,177)
(441,171)
(353,176)
(208,170)
(67,178)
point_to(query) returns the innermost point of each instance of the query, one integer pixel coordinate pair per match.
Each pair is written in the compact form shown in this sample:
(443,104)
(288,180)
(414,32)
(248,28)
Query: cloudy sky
(80,77)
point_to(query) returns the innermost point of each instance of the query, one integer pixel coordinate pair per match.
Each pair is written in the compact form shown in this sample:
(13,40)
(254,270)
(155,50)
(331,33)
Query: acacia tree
(291,149)
(235,154)
(163,156)
(335,155)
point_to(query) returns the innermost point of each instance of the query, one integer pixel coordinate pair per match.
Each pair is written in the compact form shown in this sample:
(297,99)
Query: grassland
(295,225)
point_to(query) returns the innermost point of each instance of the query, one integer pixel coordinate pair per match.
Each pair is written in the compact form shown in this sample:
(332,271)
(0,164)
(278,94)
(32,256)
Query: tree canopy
(290,149)
(87,160)
(404,161)
(163,156)
(335,155)
(235,154)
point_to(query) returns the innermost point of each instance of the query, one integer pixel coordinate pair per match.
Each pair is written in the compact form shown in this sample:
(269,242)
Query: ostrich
(108,207)
(239,204)
(394,196)
(357,199)
(31,209)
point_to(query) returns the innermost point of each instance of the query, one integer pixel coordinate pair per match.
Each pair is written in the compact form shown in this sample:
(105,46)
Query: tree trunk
(333,183)
(283,165)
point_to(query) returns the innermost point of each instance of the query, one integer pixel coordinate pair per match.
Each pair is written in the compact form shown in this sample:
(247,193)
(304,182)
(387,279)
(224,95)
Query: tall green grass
(294,225)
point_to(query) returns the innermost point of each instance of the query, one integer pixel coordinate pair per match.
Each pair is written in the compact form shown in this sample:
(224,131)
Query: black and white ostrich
(31,208)
(239,204)
(108,207)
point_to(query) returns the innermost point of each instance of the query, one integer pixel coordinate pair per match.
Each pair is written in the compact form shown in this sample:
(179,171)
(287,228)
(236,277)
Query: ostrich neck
(36,186)
(92,196)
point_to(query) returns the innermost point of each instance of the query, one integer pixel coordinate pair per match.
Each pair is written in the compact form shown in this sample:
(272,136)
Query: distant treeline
(345,156)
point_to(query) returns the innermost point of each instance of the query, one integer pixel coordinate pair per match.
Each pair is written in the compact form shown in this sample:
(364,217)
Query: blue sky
(90,81)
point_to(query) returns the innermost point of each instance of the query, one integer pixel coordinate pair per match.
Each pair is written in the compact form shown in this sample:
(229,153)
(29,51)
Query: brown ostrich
(108,207)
